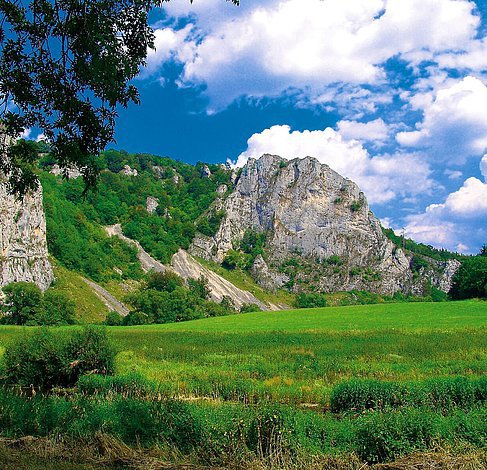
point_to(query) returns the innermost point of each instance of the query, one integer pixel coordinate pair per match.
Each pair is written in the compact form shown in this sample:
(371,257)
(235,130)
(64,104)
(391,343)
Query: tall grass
(218,433)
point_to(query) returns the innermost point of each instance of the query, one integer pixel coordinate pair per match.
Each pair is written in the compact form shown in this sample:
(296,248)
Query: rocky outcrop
(312,214)
(128,171)
(205,171)
(23,246)
(68,172)
(151,204)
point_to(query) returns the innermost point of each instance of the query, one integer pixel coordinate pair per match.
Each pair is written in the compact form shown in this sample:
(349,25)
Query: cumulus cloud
(266,47)
(454,126)
(382,178)
(168,44)
(376,131)
(459,218)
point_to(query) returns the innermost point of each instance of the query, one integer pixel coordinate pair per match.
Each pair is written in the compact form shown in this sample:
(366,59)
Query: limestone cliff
(23,246)
(315,218)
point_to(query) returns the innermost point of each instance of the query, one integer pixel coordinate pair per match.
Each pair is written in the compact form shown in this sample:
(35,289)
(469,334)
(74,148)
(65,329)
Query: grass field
(279,389)
(297,356)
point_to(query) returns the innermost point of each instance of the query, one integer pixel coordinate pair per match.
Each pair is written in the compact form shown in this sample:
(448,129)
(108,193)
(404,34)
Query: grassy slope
(410,316)
(89,308)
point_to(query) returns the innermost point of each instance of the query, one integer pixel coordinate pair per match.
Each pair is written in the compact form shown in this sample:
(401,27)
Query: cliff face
(23,246)
(311,214)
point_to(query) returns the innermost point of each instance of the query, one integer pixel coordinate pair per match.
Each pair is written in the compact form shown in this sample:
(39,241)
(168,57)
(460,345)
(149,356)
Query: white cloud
(376,130)
(266,47)
(25,134)
(169,44)
(459,222)
(455,123)
(382,178)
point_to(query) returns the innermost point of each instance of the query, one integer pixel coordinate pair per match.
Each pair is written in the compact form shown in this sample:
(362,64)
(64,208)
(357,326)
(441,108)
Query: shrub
(45,360)
(438,295)
(355,206)
(164,281)
(310,300)
(57,309)
(114,319)
(247,308)
(199,287)
(22,302)
(236,259)
(137,318)
(471,279)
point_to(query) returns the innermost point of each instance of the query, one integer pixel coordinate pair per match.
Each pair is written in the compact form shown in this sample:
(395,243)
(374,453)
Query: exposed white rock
(265,277)
(222,189)
(23,246)
(159,171)
(309,210)
(186,266)
(128,171)
(205,172)
(151,204)
(70,173)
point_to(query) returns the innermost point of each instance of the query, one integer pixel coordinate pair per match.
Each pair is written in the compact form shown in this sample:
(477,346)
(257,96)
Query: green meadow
(297,356)
(337,386)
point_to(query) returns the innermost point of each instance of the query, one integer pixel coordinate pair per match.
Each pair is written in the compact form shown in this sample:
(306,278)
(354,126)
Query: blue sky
(390,93)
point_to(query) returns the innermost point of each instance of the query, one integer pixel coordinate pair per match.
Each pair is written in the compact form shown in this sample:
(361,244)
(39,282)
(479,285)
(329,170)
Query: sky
(389,93)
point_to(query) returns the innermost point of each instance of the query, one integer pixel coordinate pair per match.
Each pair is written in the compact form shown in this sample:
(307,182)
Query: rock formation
(151,204)
(23,246)
(128,171)
(315,216)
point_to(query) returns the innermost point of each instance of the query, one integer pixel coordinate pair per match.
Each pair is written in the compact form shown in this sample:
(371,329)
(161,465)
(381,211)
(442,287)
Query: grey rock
(128,171)
(222,189)
(23,246)
(69,172)
(205,172)
(311,212)
(266,278)
(159,171)
(151,204)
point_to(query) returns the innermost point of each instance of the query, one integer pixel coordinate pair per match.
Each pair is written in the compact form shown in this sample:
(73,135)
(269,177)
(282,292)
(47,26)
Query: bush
(114,319)
(310,300)
(22,302)
(236,259)
(247,308)
(137,318)
(199,287)
(471,279)
(164,281)
(45,360)
(57,309)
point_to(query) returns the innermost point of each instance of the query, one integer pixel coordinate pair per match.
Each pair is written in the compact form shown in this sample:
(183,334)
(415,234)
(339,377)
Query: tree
(56,309)
(22,302)
(471,279)
(65,67)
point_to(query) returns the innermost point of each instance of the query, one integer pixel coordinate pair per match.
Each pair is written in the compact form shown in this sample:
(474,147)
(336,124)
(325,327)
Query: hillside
(259,236)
